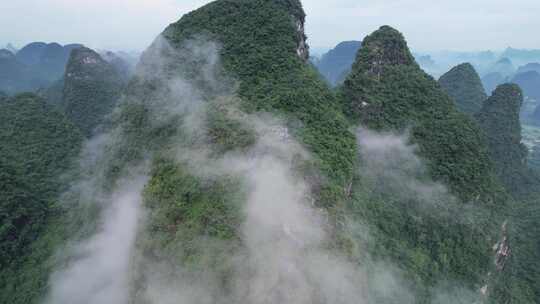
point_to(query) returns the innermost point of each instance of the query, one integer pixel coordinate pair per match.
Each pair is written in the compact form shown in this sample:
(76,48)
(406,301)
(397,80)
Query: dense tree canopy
(38,145)
(463,84)
(92,87)
(387,91)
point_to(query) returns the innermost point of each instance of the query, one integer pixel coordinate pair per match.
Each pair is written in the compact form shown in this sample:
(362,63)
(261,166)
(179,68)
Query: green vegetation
(187,217)
(259,47)
(463,84)
(38,145)
(387,91)
(435,236)
(259,44)
(91,89)
(499,118)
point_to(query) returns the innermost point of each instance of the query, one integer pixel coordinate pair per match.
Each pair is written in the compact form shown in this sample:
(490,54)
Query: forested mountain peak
(83,61)
(499,118)
(463,84)
(225,170)
(384,47)
(30,54)
(387,90)
(506,99)
(92,86)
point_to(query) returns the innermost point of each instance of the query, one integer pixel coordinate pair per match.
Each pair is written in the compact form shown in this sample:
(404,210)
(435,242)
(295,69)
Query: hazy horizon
(133,24)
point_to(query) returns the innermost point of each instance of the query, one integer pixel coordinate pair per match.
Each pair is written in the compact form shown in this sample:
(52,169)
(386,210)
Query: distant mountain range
(39,65)
(336,64)
(36,65)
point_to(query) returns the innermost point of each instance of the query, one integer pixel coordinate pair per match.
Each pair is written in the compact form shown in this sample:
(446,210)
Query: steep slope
(499,118)
(45,63)
(387,91)
(37,146)
(463,84)
(289,86)
(53,60)
(190,105)
(92,86)
(335,64)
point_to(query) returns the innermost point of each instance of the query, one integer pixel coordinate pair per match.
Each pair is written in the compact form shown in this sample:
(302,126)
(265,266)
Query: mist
(99,273)
(283,253)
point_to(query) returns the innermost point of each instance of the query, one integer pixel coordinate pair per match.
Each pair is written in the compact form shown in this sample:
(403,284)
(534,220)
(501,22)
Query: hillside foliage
(463,84)
(38,146)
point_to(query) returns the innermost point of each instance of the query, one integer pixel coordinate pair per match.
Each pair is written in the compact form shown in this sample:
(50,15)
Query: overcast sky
(427,24)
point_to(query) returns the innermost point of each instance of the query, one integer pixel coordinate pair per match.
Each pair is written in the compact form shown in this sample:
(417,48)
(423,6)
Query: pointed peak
(465,87)
(84,55)
(466,66)
(385,46)
(461,72)
(509,92)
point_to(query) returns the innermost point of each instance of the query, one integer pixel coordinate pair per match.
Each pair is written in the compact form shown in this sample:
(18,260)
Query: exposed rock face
(302,50)
(92,87)
(502,249)
(463,84)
